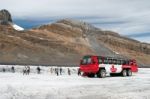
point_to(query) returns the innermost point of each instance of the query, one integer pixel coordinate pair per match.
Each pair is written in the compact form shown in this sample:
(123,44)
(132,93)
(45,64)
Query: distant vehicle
(100,66)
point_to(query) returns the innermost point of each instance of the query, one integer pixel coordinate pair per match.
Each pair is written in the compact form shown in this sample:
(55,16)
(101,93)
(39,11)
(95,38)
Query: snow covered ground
(49,86)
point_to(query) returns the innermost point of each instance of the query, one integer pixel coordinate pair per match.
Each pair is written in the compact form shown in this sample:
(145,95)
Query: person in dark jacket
(56,71)
(79,72)
(13,69)
(60,71)
(24,70)
(3,69)
(69,72)
(28,70)
(38,70)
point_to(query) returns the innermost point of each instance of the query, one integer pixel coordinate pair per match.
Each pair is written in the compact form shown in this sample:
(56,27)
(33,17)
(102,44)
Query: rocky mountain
(65,42)
(5,17)
(106,43)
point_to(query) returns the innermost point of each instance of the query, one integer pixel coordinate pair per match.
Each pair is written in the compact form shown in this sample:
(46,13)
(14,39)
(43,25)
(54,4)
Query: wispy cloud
(128,17)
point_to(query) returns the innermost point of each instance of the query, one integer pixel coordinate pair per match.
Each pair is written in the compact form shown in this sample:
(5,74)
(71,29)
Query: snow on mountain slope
(16,27)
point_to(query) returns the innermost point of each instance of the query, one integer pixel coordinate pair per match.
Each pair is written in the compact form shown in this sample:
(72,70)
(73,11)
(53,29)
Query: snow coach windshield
(86,60)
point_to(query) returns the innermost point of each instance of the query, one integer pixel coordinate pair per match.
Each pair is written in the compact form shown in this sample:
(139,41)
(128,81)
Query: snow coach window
(124,62)
(114,61)
(127,62)
(119,62)
(89,61)
(105,61)
(110,61)
(86,60)
(100,61)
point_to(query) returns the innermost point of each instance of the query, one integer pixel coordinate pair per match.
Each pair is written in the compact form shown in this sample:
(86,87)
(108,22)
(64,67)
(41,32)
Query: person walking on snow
(60,71)
(38,70)
(51,70)
(28,70)
(56,71)
(24,70)
(79,72)
(3,69)
(69,72)
(13,69)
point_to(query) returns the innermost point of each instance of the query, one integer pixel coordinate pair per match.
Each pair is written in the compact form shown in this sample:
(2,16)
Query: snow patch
(18,28)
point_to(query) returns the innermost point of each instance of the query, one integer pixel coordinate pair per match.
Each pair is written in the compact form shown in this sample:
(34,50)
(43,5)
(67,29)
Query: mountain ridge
(66,42)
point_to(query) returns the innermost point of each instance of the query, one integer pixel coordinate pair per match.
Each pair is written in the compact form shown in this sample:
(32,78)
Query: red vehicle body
(100,66)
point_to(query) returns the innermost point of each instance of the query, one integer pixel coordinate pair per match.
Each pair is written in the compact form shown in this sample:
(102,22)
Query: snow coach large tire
(101,73)
(129,72)
(124,73)
(91,75)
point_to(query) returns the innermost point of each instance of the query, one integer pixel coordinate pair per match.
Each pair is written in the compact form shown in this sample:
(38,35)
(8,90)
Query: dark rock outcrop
(5,17)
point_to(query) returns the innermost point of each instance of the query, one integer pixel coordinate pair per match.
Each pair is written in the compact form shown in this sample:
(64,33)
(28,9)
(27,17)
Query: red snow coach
(100,66)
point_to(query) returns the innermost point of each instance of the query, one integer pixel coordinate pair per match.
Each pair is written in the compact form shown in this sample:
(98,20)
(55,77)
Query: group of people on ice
(12,69)
(59,71)
(26,70)
(53,70)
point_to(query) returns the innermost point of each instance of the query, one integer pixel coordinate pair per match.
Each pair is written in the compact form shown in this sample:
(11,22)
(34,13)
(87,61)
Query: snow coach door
(134,66)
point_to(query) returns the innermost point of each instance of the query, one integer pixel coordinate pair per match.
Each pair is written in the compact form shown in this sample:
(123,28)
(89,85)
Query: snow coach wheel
(129,72)
(91,75)
(124,73)
(101,73)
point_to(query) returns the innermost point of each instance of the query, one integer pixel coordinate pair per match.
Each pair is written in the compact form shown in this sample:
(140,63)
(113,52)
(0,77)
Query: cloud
(140,35)
(143,39)
(124,16)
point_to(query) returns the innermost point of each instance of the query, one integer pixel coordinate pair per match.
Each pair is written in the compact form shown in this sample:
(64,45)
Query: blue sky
(127,17)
